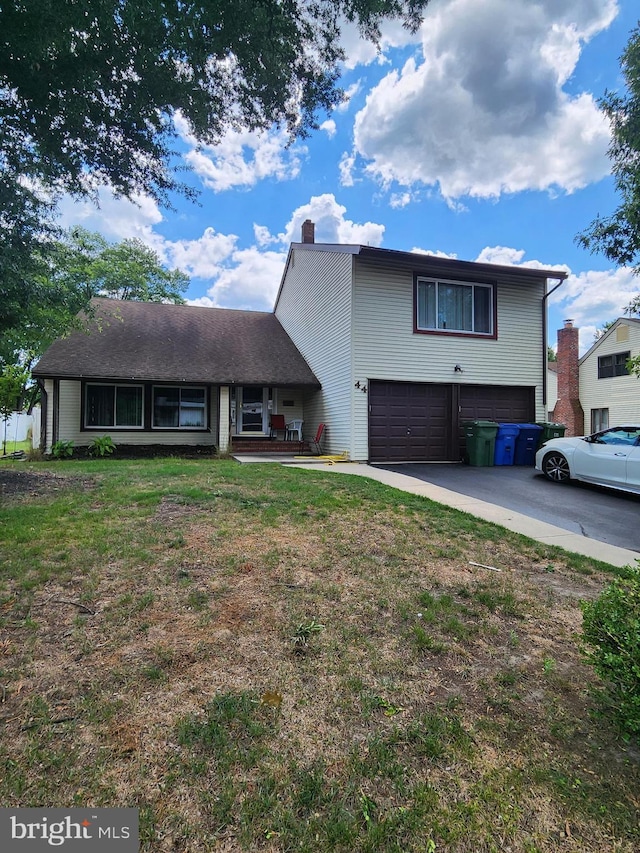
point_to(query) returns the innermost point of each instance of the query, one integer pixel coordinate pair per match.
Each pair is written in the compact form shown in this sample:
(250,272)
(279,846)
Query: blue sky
(479,137)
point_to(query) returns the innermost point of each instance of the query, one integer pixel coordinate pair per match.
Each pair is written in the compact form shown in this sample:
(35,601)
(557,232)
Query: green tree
(602,330)
(89,94)
(618,236)
(76,269)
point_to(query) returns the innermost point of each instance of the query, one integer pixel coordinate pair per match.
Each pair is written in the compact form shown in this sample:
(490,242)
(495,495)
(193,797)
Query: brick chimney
(308,231)
(568,410)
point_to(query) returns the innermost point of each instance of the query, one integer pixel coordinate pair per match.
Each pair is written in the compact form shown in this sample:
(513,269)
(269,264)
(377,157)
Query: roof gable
(621,321)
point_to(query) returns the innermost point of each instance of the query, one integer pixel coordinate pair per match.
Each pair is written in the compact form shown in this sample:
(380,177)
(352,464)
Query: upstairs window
(613,365)
(179,408)
(113,406)
(454,307)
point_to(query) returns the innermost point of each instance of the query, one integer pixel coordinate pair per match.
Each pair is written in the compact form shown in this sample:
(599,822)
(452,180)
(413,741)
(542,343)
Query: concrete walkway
(538,530)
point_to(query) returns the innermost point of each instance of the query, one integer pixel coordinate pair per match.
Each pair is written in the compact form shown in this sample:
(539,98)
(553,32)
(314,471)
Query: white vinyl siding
(70,421)
(386,347)
(295,410)
(314,308)
(619,394)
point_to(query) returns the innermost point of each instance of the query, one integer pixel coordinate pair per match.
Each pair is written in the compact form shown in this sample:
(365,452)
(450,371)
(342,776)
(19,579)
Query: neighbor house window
(599,419)
(113,406)
(448,306)
(179,408)
(613,365)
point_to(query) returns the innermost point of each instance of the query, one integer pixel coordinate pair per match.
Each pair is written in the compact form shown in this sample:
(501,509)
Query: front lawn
(267,659)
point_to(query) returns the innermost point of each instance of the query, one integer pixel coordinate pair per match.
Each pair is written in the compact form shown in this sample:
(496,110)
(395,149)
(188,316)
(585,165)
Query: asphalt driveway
(600,514)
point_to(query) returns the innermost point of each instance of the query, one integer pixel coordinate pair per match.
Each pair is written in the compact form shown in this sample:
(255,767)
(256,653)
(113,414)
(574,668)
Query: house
(597,391)
(391,350)
(147,373)
(407,346)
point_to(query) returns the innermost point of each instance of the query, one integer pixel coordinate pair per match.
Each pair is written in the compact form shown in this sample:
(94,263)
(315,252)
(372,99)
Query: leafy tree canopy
(76,269)
(89,93)
(618,236)
(89,90)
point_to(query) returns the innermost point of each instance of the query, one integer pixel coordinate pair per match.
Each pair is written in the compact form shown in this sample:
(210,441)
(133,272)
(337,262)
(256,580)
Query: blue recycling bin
(527,444)
(505,446)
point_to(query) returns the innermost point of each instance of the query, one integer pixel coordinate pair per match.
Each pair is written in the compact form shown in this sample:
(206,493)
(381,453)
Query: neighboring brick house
(391,350)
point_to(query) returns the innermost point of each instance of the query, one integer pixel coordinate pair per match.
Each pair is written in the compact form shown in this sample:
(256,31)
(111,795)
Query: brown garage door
(411,421)
(507,405)
(504,404)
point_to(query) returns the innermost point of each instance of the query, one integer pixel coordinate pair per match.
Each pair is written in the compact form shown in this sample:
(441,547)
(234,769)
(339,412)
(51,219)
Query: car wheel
(555,467)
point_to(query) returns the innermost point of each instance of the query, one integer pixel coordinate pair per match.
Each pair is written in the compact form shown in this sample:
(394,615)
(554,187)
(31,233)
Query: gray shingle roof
(178,343)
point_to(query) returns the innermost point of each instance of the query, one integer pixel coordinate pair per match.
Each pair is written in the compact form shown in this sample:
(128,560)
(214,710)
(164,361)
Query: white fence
(20,426)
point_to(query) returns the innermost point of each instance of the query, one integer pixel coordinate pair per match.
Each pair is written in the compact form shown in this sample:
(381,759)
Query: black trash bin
(527,444)
(480,437)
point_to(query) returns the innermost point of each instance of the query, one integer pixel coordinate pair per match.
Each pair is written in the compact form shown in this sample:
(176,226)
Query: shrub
(62,450)
(102,445)
(611,643)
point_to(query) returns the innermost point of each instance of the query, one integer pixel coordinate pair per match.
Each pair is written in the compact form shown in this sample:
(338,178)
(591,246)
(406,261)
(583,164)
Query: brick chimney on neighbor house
(308,231)
(568,410)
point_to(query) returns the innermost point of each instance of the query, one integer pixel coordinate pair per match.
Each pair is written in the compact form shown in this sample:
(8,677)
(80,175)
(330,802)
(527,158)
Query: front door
(253,415)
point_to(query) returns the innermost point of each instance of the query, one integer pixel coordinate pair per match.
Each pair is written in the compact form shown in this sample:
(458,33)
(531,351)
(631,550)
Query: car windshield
(617,435)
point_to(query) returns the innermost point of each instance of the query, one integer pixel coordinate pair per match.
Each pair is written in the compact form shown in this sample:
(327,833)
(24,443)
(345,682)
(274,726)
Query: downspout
(44,402)
(545,345)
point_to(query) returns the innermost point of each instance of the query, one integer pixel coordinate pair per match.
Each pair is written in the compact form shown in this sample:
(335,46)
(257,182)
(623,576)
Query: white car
(608,458)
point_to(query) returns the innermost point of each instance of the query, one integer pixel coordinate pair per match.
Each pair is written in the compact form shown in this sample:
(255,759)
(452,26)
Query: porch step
(269,445)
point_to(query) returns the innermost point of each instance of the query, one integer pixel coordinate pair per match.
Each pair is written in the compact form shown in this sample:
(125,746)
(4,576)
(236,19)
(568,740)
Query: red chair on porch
(277,423)
(315,442)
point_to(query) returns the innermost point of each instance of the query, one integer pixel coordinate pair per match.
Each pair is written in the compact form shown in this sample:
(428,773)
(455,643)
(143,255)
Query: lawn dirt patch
(440,703)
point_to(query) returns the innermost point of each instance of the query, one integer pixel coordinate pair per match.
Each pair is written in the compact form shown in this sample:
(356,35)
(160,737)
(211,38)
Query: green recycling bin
(549,431)
(480,437)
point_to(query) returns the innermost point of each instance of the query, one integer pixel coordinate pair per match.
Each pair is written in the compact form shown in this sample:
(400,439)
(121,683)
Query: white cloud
(202,257)
(116,218)
(242,157)
(594,297)
(345,168)
(436,253)
(329,127)
(331,226)
(482,112)
(399,200)
(349,93)
(262,235)
(361,52)
(250,279)
(238,277)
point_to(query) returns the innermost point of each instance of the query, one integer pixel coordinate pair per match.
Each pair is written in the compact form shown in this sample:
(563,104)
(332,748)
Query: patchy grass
(266,659)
